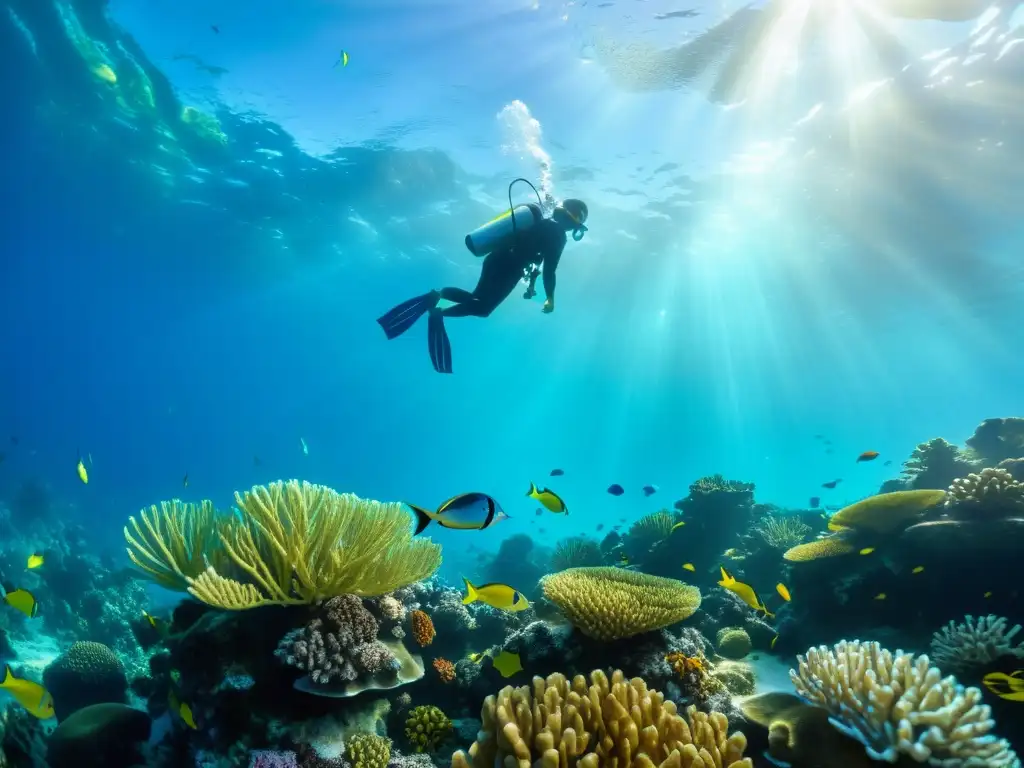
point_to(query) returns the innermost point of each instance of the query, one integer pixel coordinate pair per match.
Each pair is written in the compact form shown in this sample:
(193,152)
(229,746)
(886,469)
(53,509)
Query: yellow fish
(745,592)
(919,569)
(160,625)
(105,73)
(867,550)
(83,475)
(774,639)
(476,657)
(548,498)
(732,552)
(507,663)
(783,592)
(32,696)
(880,596)
(689,567)
(1009,687)
(342,60)
(500,596)
(35,560)
(183,710)
(676,527)
(22,600)
(987,595)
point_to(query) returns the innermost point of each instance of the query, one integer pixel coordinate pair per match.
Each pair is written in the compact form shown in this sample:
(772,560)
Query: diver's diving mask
(580,229)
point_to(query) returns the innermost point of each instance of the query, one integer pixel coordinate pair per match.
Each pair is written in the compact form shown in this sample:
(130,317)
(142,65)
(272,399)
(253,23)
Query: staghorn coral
(171,543)
(426,727)
(576,552)
(340,644)
(733,643)
(613,603)
(783,532)
(368,750)
(422,628)
(898,704)
(974,643)
(445,670)
(886,513)
(991,492)
(935,464)
(292,543)
(603,723)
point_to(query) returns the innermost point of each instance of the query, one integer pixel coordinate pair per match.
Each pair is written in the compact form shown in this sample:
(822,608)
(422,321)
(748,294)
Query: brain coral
(733,643)
(86,673)
(616,723)
(613,603)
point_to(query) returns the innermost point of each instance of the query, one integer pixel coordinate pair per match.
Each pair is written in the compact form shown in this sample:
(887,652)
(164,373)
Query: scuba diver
(519,244)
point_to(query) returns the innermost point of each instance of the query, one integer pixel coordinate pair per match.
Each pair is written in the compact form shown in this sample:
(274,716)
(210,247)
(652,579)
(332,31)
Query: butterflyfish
(548,499)
(35,560)
(83,474)
(500,596)
(689,567)
(32,696)
(477,657)
(868,456)
(181,709)
(22,600)
(507,663)
(465,512)
(743,591)
(160,625)
(783,591)
(918,569)
(1006,686)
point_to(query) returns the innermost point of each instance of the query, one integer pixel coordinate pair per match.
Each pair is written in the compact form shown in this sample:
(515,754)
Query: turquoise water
(798,259)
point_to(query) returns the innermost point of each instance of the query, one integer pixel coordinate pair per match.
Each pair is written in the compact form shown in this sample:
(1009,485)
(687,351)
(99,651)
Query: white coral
(898,704)
(974,643)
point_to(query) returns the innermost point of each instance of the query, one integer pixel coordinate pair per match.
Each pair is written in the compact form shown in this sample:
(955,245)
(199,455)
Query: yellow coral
(733,643)
(616,723)
(172,542)
(368,750)
(613,603)
(426,727)
(840,543)
(737,677)
(886,512)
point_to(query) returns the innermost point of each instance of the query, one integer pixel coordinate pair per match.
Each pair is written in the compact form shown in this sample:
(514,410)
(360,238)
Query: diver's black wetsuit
(502,270)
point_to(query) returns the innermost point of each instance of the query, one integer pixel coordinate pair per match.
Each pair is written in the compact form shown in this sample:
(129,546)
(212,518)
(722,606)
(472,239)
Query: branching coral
(974,643)
(576,552)
(991,492)
(422,628)
(445,670)
(172,542)
(603,723)
(782,532)
(935,464)
(290,543)
(898,704)
(340,645)
(613,603)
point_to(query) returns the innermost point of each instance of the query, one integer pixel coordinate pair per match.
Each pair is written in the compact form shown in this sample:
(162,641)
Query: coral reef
(733,643)
(974,643)
(292,543)
(997,439)
(935,464)
(736,676)
(558,723)
(87,673)
(782,532)
(445,670)
(99,736)
(613,603)
(426,727)
(991,492)
(576,552)
(716,512)
(898,704)
(368,750)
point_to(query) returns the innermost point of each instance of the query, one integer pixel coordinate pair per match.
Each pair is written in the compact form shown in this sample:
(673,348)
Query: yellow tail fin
(471,595)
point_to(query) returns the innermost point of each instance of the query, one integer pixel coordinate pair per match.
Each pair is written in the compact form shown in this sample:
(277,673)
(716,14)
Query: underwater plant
(783,532)
(898,704)
(292,543)
(974,643)
(600,723)
(613,603)
(576,552)
(172,543)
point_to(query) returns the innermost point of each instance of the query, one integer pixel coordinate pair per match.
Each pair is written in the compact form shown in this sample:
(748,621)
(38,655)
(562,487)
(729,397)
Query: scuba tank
(501,231)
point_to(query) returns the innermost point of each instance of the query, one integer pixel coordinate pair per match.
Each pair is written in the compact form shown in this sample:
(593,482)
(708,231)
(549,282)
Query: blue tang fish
(465,512)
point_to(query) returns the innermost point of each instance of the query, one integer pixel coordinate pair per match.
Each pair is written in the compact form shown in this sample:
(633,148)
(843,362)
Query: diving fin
(401,318)
(437,342)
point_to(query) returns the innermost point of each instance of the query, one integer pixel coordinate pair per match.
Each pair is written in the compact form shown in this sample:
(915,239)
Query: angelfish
(465,512)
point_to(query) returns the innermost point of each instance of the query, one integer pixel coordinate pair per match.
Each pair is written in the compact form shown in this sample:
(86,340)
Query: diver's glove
(530,293)
(549,307)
